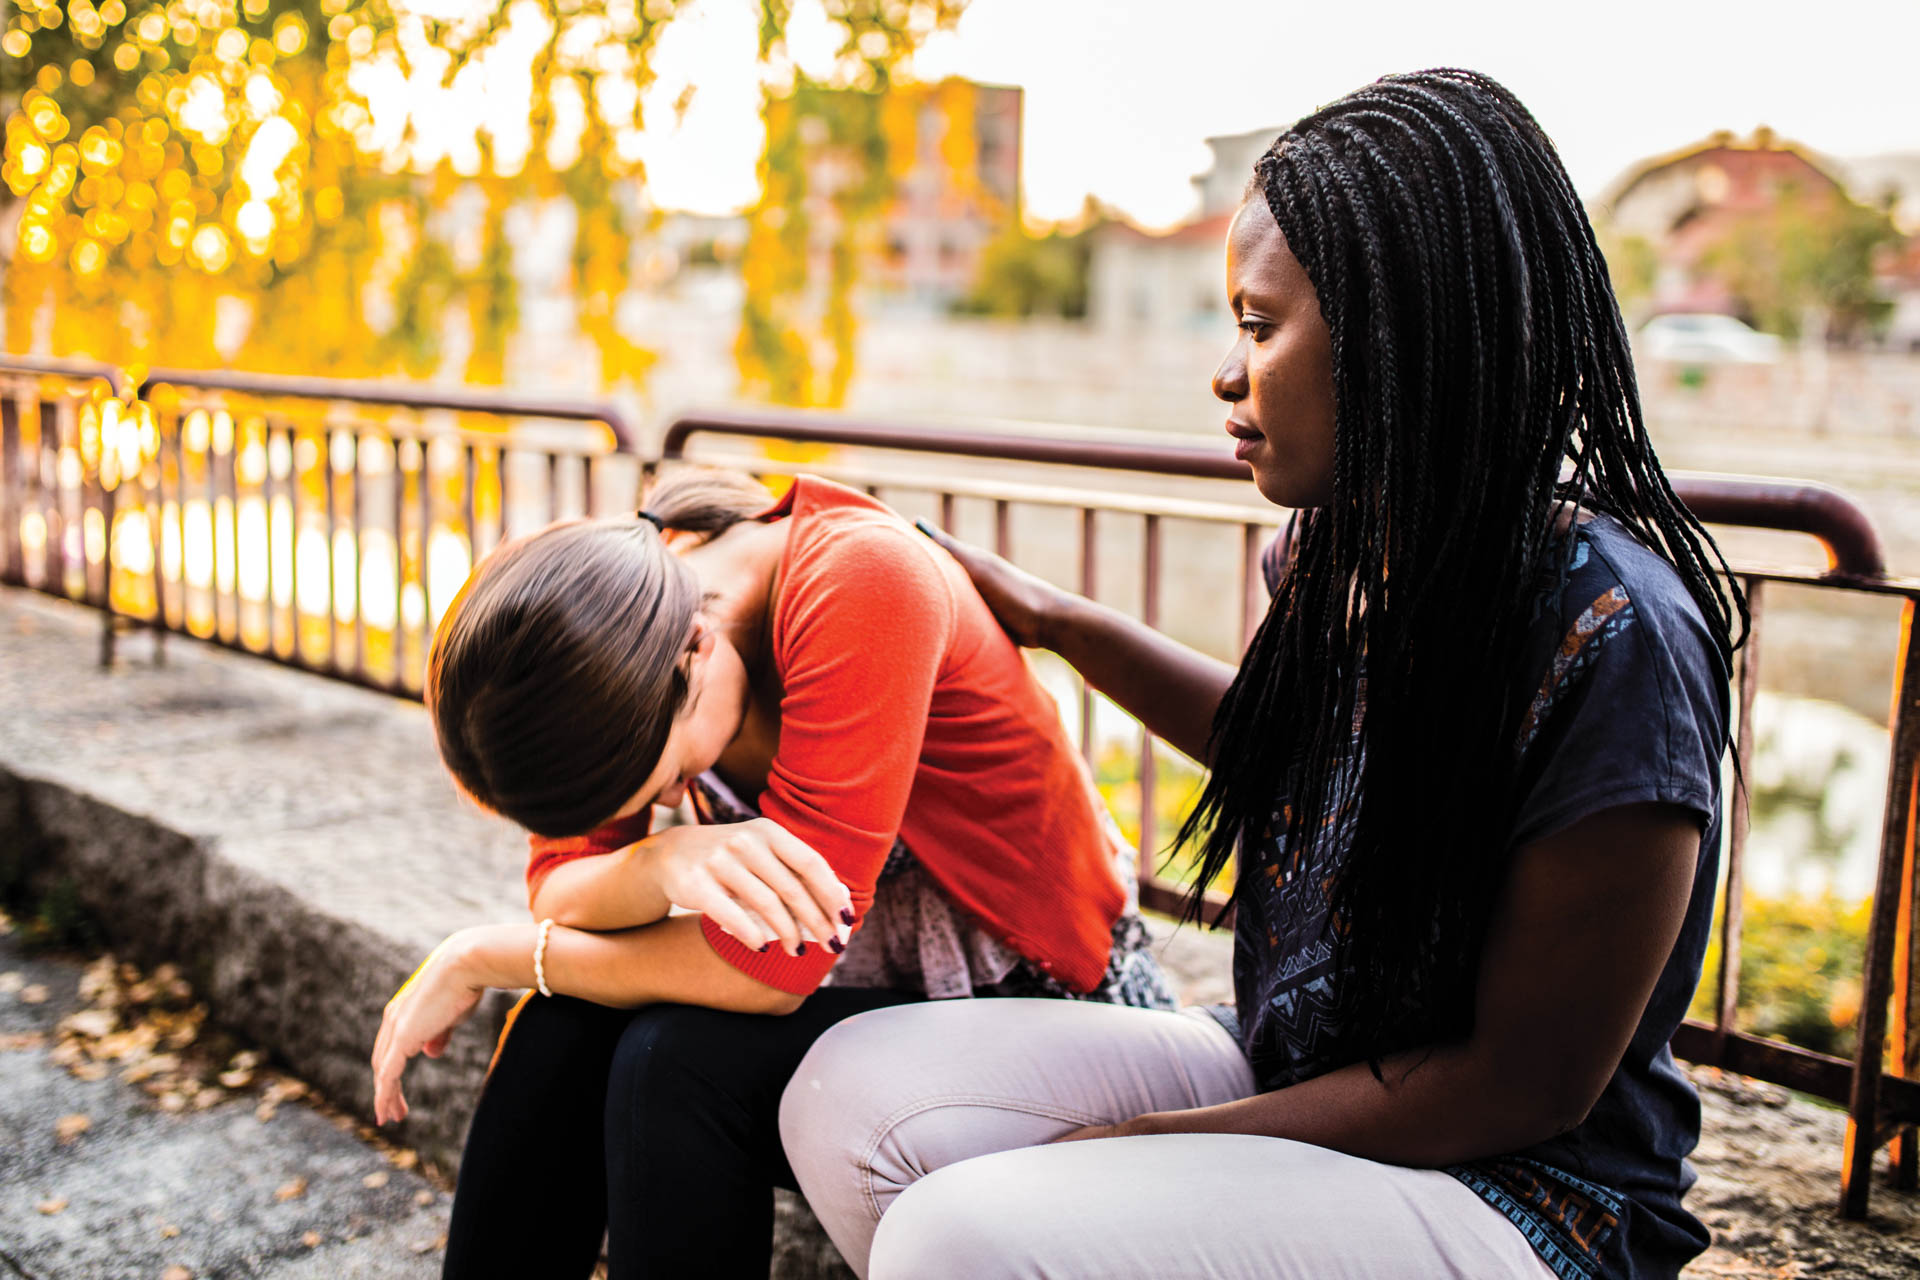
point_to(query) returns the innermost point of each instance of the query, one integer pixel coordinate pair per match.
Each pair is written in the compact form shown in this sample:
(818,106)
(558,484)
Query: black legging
(660,1125)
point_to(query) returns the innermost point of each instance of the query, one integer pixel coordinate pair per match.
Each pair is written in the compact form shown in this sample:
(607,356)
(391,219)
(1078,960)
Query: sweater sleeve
(547,852)
(865,625)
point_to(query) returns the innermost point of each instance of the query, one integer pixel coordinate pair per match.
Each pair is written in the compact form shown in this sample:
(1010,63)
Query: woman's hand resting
(732,872)
(439,996)
(1025,605)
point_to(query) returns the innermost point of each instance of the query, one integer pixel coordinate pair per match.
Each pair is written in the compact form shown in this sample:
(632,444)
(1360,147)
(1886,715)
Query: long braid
(1482,382)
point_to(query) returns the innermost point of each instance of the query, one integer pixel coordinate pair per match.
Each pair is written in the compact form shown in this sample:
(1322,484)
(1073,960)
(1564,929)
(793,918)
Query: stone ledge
(293,843)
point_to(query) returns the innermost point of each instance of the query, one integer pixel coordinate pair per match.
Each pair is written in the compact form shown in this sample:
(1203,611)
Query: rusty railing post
(1896,869)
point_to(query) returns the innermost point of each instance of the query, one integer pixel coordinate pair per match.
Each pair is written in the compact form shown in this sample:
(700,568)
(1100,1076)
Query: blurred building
(1225,181)
(960,191)
(1685,203)
(1176,280)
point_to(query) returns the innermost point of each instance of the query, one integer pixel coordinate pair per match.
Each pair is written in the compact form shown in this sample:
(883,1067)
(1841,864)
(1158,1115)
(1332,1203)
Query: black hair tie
(654,520)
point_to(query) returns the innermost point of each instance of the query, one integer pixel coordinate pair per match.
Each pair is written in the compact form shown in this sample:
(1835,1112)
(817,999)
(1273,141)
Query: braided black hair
(1482,386)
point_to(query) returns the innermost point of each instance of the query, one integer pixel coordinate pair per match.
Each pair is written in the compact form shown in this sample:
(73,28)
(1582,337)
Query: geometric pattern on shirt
(1566,1219)
(1609,614)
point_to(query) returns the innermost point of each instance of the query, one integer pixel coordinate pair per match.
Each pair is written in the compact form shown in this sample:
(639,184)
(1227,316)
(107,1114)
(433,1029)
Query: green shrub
(1799,972)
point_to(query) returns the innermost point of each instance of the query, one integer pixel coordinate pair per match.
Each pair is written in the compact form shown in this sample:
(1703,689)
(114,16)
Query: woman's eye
(1254,327)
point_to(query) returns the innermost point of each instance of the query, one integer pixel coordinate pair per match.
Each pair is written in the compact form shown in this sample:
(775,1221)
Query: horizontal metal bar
(1819,1074)
(1071,496)
(404,395)
(1842,527)
(77,370)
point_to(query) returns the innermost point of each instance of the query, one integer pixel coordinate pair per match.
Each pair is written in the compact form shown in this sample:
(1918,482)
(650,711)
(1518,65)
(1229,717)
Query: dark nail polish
(846,916)
(800,950)
(923,527)
(836,946)
(762,948)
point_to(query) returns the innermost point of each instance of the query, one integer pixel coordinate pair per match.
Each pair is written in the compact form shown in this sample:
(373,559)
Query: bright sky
(1120,93)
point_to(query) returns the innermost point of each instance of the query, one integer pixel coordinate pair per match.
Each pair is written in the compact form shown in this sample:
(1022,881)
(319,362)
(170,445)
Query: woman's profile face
(715,708)
(1278,378)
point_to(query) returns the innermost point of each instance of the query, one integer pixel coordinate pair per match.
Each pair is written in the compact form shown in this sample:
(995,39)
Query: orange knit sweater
(906,710)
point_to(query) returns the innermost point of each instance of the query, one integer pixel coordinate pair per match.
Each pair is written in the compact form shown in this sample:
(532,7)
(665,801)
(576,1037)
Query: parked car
(1704,338)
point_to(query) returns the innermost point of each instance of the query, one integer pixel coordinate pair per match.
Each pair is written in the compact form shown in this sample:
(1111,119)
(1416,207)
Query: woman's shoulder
(1630,683)
(1611,583)
(850,553)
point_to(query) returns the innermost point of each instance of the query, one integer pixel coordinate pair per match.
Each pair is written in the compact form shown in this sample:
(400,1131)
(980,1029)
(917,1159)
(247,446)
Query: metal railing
(321,523)
(325,524)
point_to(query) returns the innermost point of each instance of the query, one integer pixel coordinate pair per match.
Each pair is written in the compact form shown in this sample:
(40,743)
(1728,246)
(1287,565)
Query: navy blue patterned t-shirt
(1630,707)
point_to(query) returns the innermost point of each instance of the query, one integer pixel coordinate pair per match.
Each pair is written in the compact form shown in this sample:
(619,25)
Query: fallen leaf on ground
(92,1023)
(67,1128)
(311,1239)
(22,1040)
(238,1078)
(292,1190)
(146,1068)
(176,1272)
(37,993)
(168,1231)
(284,1089)
(404,1159)
(428,1246)
(90,1071)
(423,1197)
(53,1206)
(375,1180)
(11,981)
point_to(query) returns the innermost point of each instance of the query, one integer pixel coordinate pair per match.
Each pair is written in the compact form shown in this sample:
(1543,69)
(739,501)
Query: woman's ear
(699,648)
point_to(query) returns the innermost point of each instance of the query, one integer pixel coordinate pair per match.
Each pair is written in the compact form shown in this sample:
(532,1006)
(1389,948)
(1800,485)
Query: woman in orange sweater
(890,805)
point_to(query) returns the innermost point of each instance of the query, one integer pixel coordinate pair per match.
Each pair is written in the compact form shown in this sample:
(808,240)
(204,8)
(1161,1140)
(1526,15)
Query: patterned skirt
(917,938)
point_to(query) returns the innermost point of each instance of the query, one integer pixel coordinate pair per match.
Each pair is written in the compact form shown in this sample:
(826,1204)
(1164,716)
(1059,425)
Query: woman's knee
(960,1221)
(667,1052)
(837,1078)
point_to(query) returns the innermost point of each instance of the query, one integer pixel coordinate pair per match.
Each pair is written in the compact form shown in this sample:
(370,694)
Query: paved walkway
(98,1182)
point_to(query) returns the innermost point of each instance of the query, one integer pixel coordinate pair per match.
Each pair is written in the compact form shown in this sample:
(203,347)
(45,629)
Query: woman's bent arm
(724,870)
(668,962)
(1171,689)
(1586,923)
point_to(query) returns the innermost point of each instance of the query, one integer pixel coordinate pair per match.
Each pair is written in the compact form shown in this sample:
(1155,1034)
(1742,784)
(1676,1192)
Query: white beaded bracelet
(540,959)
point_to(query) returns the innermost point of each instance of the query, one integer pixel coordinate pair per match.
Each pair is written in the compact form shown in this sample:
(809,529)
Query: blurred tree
(836,150)
(164,155)
(1631,263)
(1022,274)
(1808,255)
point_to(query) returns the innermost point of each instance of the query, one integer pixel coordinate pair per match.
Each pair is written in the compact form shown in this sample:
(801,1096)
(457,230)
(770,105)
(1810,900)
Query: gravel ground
(1769,1165)
(137,1142)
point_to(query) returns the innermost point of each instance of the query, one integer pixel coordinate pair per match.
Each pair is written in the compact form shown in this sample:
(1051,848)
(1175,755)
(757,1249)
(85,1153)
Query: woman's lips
(1245,437)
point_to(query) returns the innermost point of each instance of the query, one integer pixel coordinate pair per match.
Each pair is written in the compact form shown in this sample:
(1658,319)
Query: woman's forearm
(1171,689)
(667,962)
(1433,1107)
(618,890)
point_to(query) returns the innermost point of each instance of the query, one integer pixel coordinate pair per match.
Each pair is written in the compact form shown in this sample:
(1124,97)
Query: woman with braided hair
(1468,772)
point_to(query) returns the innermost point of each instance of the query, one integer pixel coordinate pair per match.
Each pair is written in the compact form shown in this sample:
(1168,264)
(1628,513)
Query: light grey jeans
(917,1134)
